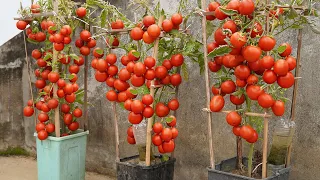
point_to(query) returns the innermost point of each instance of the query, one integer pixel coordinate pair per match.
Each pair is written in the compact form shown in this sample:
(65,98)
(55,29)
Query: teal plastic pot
(62,158)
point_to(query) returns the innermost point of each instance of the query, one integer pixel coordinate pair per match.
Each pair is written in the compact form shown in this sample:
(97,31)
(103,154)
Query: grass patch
(14,151)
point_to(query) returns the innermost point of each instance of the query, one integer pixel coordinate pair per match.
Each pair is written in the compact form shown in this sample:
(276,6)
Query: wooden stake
(265,148)
(206,72)
(176,96)
(239,150)
(116,129)
(85,107)
(295,91)
(55,88)
(150,120)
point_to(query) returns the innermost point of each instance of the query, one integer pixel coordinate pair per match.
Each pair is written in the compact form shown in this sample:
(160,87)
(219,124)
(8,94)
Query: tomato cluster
(248,67)
(150,31)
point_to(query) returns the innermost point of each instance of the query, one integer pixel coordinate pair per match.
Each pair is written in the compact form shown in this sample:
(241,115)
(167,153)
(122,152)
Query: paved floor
(25,168)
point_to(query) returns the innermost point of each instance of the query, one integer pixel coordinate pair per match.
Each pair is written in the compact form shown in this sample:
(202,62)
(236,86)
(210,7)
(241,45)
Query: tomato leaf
(47,56)
(169,119)
(32,41)
(99,51)
(121,105)
(210,28)
(292,14)
(185,73)
(134,91)
(136,54)
(71,76)
(103,18)
(220,51)
(281,49)
(199,3)
(229,12)
(75,57)
(165,158)
(53,28)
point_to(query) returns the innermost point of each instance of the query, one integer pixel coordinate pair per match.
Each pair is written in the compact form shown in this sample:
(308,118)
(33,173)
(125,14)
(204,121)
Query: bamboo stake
(295,91)
(239,150)
(176,96)
(152,89)
(245,113)
(116,129)
(55,88)
(85,108)
(209,123)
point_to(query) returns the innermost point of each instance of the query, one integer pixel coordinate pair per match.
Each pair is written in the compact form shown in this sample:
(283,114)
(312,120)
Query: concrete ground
(18,168)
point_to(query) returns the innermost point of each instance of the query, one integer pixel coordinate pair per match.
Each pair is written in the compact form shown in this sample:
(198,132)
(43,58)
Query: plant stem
(250,157)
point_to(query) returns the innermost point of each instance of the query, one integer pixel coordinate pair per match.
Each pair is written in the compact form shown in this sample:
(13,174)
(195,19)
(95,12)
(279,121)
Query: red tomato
(111,58)
(246,7)
(281,67)
(28,111)
(254,66)
(173,104)
(40,127)
(112,70)
(137,81)
(161,72)
(286,81)
(242,72)
(177,60)
(148,21)
(219,14)
(254,91)
(176,19)
(219,37)
(70,98)
(267,62)
(254,137)
(234,4)
(241,83)
(252,53)
(162,110)
(101,76)
(237,100)
(147,38)
(246,132)
(278,108)
(175,132)
(287,51)
(291,62)
(252,79)
(148,112)
(167,25)
(157,127)
(265,100)
(156,140)
(127,104)
(175,79)
(65,108)
(53,103)
(125,60)
(166,134)
(73,126)
(124,74)
(160,149)
(136,33)
(173,122)
(238,40)
(216,103)
(111,95)
(267,43)
(43,117)
(85,35)
(269,77)
(137,106)
(130,132)
(154,31)
(131,140)
(50,128)
(236,130)
(228,87)
(21,25)
(77,112)
(118,24)
(230,25)
(168,146)
(42,135)
(257,30)
(233,119)
(213,66)
(213,6)
(139,69)
(149,62)
(135,118)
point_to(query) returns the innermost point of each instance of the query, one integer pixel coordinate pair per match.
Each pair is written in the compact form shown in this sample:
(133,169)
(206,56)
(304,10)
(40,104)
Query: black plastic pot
(130,171)
(222,172)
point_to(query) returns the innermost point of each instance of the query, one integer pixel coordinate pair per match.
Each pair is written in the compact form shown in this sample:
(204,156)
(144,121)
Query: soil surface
(18,168)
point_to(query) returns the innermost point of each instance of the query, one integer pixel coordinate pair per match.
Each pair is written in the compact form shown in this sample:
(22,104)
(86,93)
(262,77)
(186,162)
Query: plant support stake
(206,72)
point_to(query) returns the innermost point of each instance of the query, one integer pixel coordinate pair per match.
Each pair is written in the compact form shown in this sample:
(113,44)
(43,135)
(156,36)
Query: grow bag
(131,171)
(62,158)
(222,172)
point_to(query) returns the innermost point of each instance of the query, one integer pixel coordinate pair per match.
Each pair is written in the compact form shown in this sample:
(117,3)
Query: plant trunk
(250,157)
(239,153)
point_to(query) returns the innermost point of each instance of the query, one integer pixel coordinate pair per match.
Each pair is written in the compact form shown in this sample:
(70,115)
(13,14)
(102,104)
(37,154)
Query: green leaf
(229,12)
(169,119)
(134,91)
(199,3)
(136,54)
(165,158)
(185,73)
(210,28)
(75,57)
(292,14)
(220,51)
(281,49)
(71,76)
(143,90)
(201,63)
(47,56)
(103,18)
(121,105)
(110,40)
(53,28)
(99,51)
(32,41)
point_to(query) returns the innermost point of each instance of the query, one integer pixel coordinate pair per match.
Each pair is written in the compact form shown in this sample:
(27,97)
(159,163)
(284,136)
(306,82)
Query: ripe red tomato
(68,89)
(136,33)
(257,30)
(254,91)
(242,72)
(230,24)
(125,60)
(137,106)
(45,108)
(173,104)
(70,98)
(130,67)
(168,146)
(269,77)
(236,130)
(216,103)
(133,57)
(75,87)
(281,67)
(252,53)
(53,77)
(176,19)
(167,25)
(124,74)
(233,118)
(50,128)
(137,81)
(219,14)
(173,123)
(154,31)
(101,65)
(213,66)
(246,7)
(39,105)
(148,21)
(30,103)
(149,62)
(286,81)
(162,110)
(58,46)
(53,103)
(41,62)
(121,85)
(237,100)
(135,118)
(67,119)
(21,25)
(265,100)
(65,108)
(147,38)
(160,149)
(241,83)
(112,70)
(252,79)
(213,6)
(287,51)
(246,132)
(92,43)
(156,140)
(85,35)
(211,46)
(131,140)
(118,24)
(219,37)
(147,99)
(110,81)
(40,127)
(85,50)
(40,37)
(254,66)
(278,108)
(81,12)
(177,60)
(254,137)
(111,95)
(230,61)
(157,127)
(228,87)
(111,58)
(35,8)
(161,72)
(175,79)
(28,111)
(42,135)
(43,117)
(122,96)
(79,43)
(238,40)
(166,134)
(130,132)
(98,52)
(77,112)
(73,126)
(267,62)
(234,4)
(267,43)
(139,69)
(40,83)
(101,76)
(175,132)
(148,112)
(36,54)
(150,74)
(291,62)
